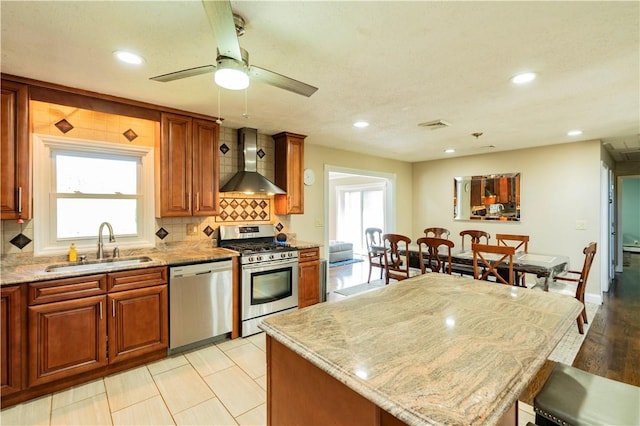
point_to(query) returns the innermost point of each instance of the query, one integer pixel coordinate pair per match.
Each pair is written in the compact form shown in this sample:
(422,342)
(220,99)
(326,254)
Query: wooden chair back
(580,278)
(517,241)
(437,232)
(475,236)
(490,264)
(396,257)
(438,257)
(375,252)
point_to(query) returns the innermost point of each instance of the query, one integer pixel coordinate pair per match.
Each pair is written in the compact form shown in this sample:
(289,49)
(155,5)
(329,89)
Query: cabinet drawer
(67,289)
(136,278)
(308,255)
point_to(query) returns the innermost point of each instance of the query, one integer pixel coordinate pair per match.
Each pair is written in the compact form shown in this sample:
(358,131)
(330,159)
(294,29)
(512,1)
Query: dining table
(542,265)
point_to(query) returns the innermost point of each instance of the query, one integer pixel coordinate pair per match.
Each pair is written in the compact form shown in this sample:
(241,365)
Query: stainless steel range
(269,276)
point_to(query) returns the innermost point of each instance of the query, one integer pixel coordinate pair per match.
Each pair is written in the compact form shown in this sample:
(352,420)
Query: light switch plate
(192,229)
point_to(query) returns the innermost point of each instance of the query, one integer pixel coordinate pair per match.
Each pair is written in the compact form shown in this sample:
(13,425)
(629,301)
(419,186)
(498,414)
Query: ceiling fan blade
(190,72)
(221,20)
(281,81)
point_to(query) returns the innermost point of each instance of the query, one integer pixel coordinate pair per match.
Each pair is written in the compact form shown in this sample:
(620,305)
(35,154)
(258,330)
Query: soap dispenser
(73,253)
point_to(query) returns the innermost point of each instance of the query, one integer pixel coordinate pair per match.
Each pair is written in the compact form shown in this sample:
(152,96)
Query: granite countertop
(435,348)
(21,269)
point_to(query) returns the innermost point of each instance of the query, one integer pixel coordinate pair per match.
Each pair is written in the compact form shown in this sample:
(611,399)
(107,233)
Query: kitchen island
(434,349)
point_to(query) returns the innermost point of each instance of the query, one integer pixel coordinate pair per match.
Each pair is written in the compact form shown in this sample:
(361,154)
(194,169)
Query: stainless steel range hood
(249,180)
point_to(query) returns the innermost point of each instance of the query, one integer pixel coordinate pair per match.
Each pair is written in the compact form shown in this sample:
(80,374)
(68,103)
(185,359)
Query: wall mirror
(489,197)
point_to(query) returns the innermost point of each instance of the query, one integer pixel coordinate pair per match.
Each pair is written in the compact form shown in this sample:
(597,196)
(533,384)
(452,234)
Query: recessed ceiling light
(360,124)
(574,132)
(128,57)
(450,151)
(523,78)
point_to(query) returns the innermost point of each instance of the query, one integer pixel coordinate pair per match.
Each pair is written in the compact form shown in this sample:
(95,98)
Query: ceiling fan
(233,70)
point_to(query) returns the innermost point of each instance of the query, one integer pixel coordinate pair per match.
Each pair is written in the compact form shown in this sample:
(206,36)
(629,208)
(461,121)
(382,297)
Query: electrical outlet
(192,229)
(319,223)
(581,225)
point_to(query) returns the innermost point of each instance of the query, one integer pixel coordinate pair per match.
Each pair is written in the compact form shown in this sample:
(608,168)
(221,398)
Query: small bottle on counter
(73,253)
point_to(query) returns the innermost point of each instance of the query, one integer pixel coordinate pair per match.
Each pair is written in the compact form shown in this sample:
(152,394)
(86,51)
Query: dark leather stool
(575,397)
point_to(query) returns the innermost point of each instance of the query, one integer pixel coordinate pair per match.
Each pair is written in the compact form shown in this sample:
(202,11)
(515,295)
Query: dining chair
(517,242)
(437,232)
(433,251)
(375,250)
(580,279)
(396,257)
(475,236)
(491,258)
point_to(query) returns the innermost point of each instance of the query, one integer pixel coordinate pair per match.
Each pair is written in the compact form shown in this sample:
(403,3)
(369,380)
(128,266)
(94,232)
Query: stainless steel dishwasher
(200,298)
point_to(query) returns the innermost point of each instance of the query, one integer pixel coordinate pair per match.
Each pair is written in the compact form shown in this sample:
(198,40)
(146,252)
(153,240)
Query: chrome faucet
(112,238)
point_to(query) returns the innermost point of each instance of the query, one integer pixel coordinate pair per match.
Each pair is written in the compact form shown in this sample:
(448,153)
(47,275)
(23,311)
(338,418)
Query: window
(359,207)
(80,184)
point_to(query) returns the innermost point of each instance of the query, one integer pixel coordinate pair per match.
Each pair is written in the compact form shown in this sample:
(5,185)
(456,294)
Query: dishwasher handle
(199,269)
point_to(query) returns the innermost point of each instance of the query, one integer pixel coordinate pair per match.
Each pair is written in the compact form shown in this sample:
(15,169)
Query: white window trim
(42,146)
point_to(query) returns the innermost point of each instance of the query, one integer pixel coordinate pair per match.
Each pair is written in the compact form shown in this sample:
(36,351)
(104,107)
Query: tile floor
(220,384)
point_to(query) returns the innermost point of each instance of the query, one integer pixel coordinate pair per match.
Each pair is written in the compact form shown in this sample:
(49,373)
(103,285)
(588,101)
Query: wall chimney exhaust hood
(249,180)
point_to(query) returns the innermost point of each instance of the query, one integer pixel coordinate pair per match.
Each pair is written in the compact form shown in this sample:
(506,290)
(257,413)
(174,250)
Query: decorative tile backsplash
(244,210)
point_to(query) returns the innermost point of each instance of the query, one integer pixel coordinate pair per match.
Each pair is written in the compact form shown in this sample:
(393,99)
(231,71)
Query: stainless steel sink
(97,264)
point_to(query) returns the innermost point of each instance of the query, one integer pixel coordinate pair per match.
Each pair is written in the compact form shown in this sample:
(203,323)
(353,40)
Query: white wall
(560,184)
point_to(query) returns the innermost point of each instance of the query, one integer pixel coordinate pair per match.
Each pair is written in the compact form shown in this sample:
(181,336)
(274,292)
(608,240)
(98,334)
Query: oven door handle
(270,264)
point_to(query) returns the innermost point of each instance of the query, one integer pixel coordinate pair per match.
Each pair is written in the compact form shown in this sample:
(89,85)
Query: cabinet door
(175,166)
(205,168)
(10,340)
(138,322)
(289,170)
(308,277)
(15,181)
(66,338)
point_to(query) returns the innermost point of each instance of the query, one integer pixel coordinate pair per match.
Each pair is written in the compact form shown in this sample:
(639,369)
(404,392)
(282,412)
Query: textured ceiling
(394,64)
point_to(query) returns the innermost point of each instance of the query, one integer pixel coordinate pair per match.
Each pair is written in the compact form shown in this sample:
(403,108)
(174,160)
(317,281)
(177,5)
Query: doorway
(357,199)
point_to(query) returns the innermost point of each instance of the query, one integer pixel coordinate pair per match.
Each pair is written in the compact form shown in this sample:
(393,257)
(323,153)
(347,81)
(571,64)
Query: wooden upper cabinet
(205,174)
(15,174)
(289,170)
(188,167)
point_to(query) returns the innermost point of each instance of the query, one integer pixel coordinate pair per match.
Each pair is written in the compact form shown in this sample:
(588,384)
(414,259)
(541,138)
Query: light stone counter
(434,349)
(22,269)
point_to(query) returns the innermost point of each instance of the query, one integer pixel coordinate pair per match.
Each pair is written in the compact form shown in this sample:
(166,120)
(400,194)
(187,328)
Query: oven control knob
(250,258)
(290,254)
(283,254)
(259,258)
(272,256)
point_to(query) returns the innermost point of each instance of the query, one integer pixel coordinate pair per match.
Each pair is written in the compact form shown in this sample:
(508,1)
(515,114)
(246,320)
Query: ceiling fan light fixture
(231,75)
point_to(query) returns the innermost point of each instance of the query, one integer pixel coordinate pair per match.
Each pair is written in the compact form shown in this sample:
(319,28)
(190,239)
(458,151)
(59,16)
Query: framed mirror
(488,197)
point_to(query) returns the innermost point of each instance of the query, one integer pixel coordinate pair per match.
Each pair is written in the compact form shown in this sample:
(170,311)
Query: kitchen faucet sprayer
(112,238)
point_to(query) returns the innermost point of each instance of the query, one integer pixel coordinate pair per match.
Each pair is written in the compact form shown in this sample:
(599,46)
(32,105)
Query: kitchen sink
(97,264)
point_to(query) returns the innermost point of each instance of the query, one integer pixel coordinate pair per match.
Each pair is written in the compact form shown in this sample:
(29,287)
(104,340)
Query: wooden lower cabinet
(66,338)
(138,323)
(308,277)
(11,340)
(80,328)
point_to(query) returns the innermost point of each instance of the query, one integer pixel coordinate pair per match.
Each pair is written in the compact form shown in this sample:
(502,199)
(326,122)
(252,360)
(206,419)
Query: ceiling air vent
(434,125)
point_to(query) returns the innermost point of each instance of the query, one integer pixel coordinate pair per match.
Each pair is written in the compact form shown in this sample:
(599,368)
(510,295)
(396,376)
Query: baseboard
(595,299)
